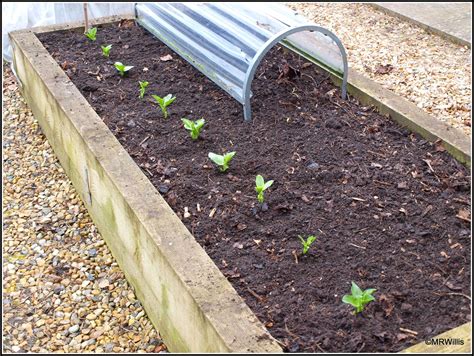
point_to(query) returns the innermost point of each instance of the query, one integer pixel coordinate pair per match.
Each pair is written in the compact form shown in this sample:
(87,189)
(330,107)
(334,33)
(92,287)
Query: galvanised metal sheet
(226,41)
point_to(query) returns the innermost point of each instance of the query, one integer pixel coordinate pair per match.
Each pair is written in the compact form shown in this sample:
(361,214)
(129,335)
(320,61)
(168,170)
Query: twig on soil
(320,348)
(409,331)
(286,81)
(377,154)
(95,73)
(429,165)
(463,218)
(146,169)
(345,110)
(105,89)
(414,254)
(317,83)
(258,297)
(144,140)
(140,126)
(281,343)
(462,201)
(296,256)
(438,267)
(360,349)
(431,169)
(210,180)
(460,294)
(213,211)
(408,263)
(350,243)
(424,184)
(288,103)
(290,333)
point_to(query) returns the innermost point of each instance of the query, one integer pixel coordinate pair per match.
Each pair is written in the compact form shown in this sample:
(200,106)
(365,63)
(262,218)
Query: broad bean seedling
(194,127)
(164,102)
(106,50)
(261,186)
(307,243)
(143,86)
(122,69)
(359,298)
(222,161)
(91,33)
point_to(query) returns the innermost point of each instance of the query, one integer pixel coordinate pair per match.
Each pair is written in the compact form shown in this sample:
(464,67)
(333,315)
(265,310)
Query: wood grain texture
(183,292)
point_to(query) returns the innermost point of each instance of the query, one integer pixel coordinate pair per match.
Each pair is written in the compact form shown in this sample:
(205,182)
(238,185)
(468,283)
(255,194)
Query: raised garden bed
(389,209)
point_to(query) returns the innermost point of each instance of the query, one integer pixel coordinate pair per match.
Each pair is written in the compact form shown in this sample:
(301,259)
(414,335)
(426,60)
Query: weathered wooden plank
(452,341)
(184,294)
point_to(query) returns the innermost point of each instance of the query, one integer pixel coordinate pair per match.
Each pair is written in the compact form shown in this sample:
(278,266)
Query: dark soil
(390,210)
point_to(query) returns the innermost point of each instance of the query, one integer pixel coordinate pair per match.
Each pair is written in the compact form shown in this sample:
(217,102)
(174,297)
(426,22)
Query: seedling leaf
(268,184)
(164,102)
(355,290)
(307,243)
(221,161)
(349,299)
(359,298)
(261,186)
(194,127)
(143,86)
(106,50)
(122,69)
(91,33)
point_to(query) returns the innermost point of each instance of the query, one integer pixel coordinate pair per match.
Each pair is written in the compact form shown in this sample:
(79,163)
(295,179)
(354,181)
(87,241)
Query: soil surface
(390,210)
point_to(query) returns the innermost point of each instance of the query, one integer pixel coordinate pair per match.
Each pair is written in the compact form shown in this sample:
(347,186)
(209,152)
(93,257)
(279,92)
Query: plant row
(358,298)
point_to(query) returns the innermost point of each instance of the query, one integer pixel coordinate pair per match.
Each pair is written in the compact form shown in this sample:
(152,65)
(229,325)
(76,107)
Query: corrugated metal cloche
(227,41)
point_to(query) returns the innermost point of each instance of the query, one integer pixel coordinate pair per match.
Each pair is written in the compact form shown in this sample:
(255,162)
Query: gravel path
(62,289)
(428,70)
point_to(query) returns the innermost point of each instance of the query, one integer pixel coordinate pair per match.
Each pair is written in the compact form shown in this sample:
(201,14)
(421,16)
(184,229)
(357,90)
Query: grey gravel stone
(108,347)
(313,165)
(47,235)
(163,188)
(73,329)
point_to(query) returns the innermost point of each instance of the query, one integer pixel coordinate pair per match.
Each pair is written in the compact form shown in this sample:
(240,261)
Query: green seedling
(307,243)
(106,50)
(91,33)
(358,299)
(194,127)
(122,68)
(164,102)
(143,86)
(221,161)
(261,186)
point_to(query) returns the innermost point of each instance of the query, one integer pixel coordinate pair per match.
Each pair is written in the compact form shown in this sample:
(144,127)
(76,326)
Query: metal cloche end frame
(269,44)
(227,41)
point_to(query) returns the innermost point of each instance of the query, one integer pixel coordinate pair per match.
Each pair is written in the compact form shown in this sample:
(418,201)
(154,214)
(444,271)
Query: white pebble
(11,267)
(73,329)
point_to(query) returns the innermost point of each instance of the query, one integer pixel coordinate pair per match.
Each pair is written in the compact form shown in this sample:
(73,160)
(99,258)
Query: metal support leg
(247,111)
